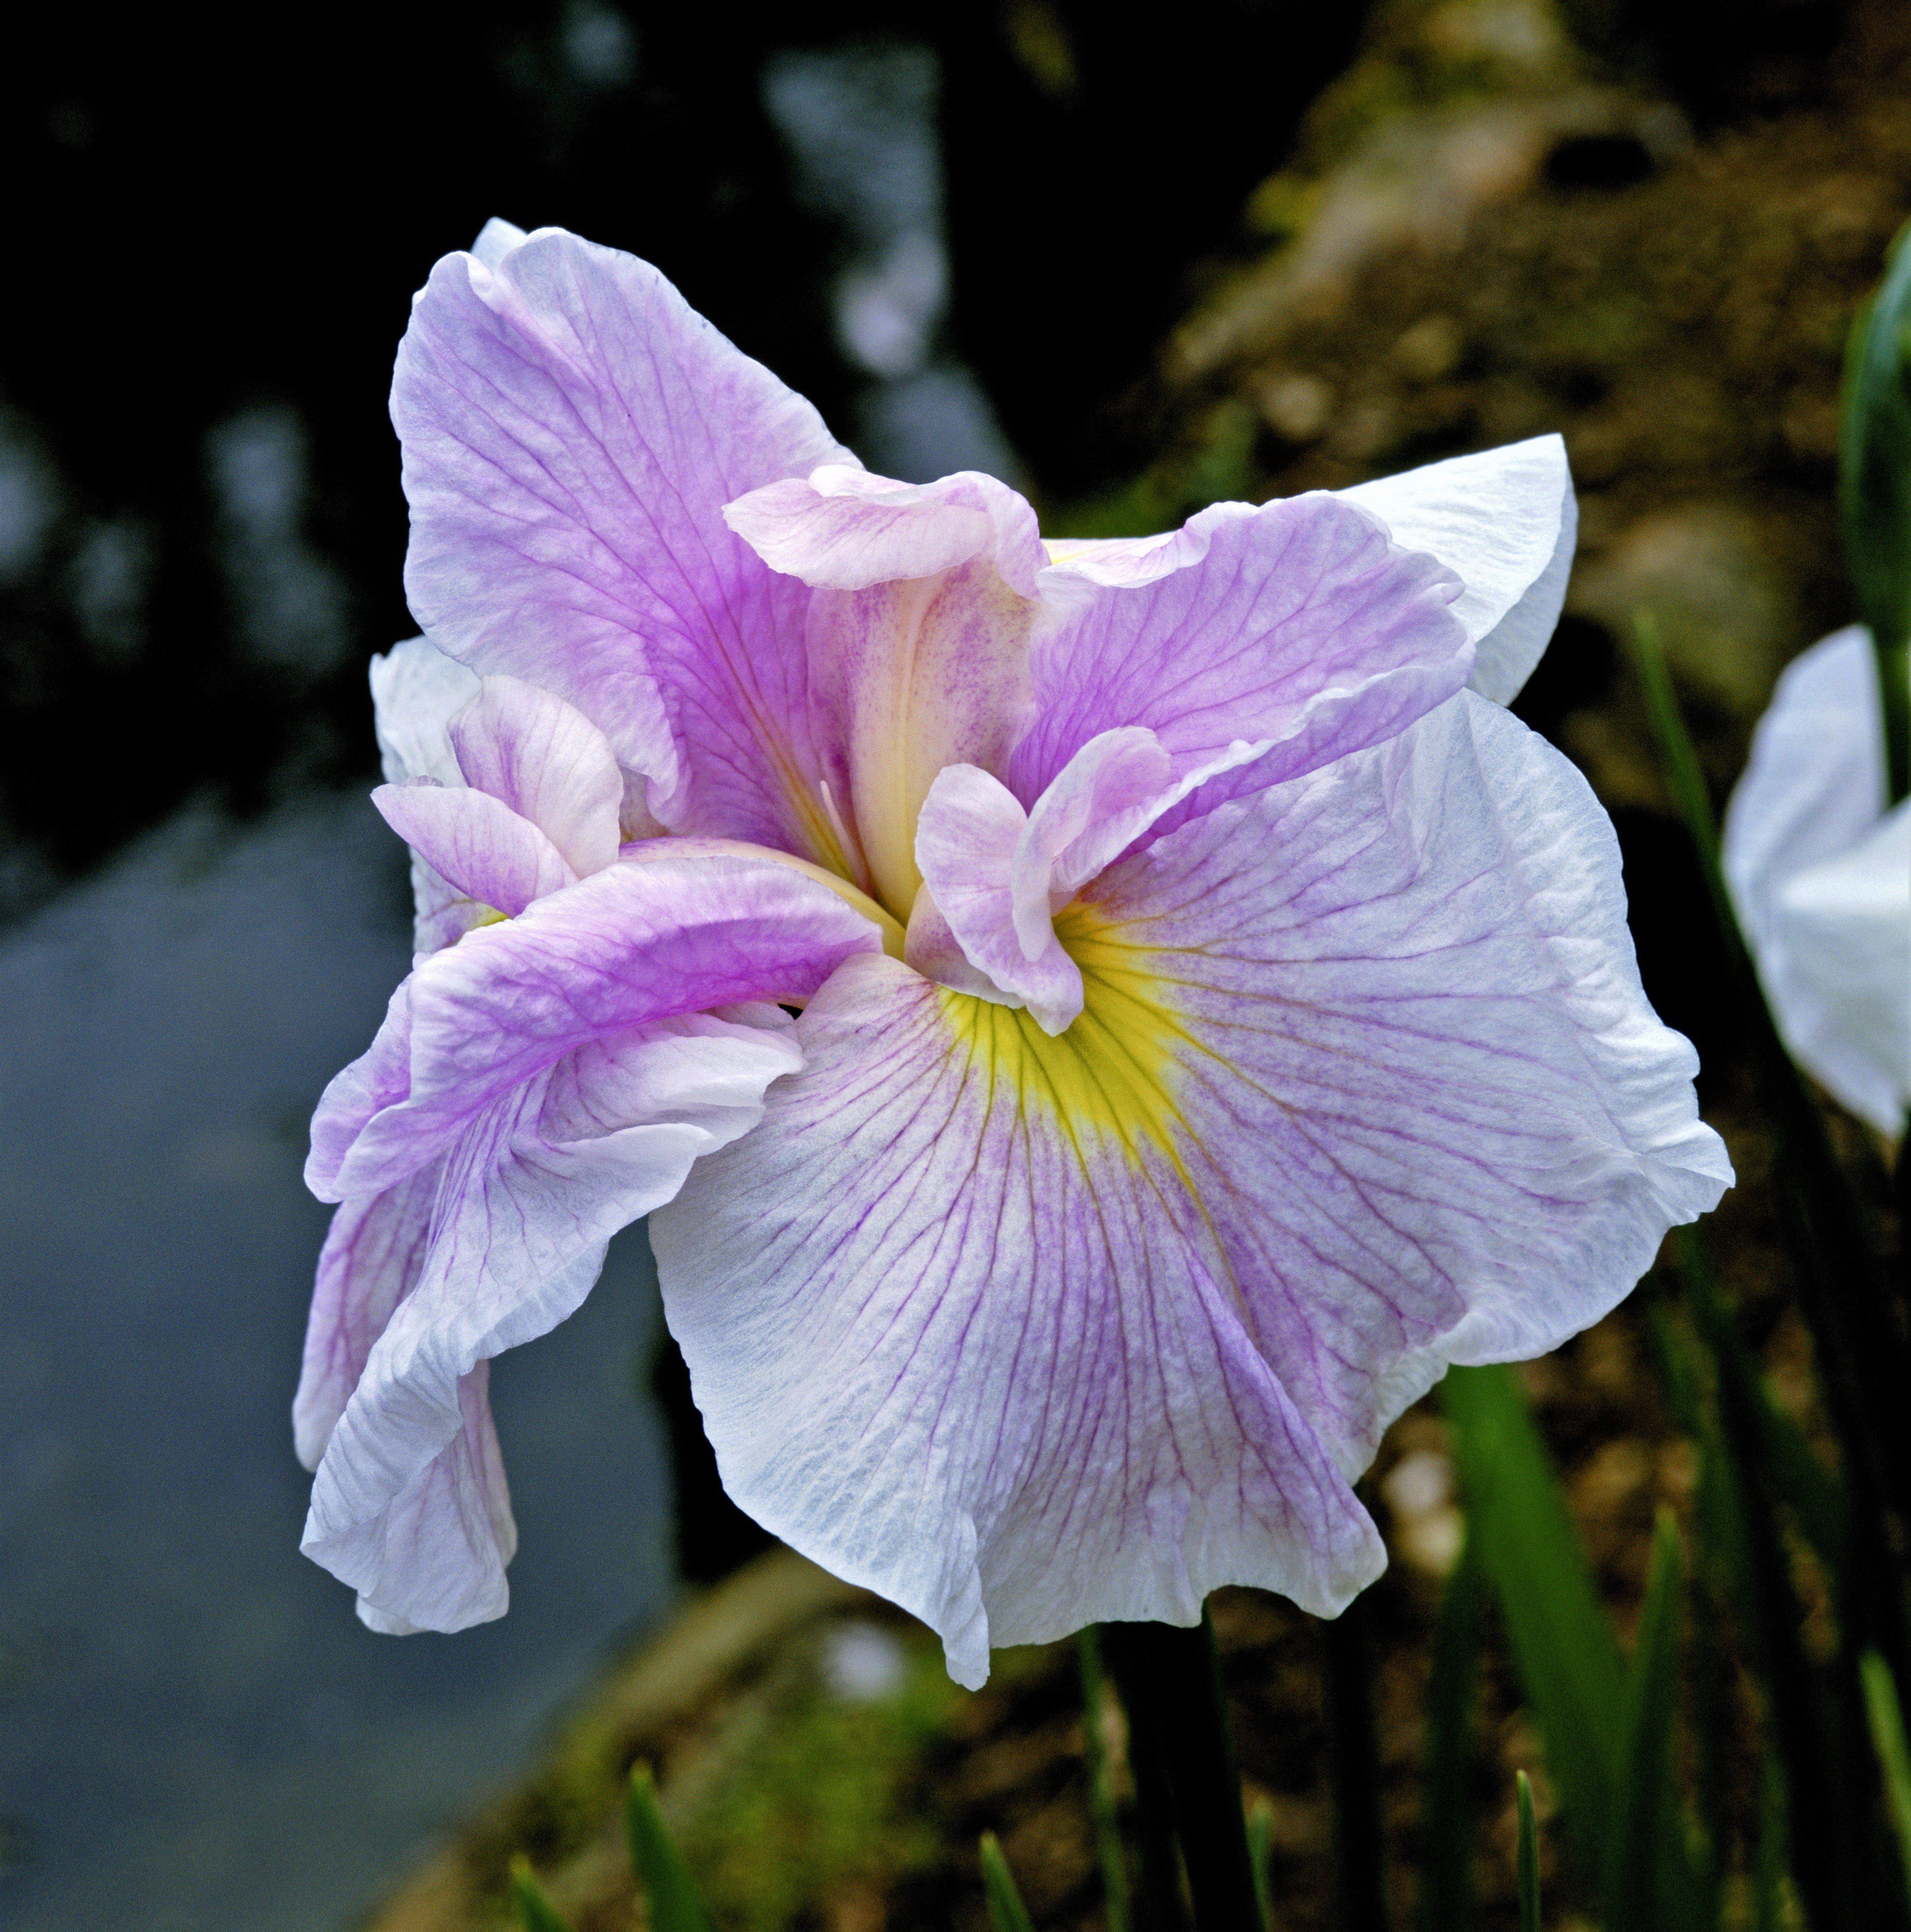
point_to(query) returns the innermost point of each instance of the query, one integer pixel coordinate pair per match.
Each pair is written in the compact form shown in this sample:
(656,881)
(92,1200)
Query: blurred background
(1132,264)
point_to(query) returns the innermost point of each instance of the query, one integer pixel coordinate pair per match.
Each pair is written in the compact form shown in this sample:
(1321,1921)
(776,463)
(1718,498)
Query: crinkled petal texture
(571,429)
(528,1096)
(1819,875)
(1025,1331)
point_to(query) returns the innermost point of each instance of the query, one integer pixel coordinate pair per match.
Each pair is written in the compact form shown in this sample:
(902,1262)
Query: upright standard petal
(1508,521)
(1027,1331)
(925,598)
(571,431)
(1295,627)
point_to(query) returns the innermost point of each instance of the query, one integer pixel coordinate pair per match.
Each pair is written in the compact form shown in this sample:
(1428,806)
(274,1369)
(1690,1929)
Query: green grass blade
(675,1905)
(1528,1857)
(1874,492)
(1563,1646)
(1645,1888)
(1804,1724)
(1447,1824)
(1006,1912)
(1103,1812)
(1886,1716)
(536,1912)
(1260,1852)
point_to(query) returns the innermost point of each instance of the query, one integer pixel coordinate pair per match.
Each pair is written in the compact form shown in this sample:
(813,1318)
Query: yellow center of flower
(1108,1081)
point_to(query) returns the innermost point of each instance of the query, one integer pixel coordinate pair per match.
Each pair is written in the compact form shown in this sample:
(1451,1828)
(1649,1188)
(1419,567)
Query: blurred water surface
(197,1731)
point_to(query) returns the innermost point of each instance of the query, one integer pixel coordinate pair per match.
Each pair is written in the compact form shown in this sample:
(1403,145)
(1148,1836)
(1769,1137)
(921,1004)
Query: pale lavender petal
(1027,1332)
(416,691)
(1507,520)
(841,529)
(373,1254)
(496,239)
(476,843)
(951,1358)
(483,1018)
(966,841)
(546,761)
(530,1194)
(571,431)
(1296,627)
(1813,791)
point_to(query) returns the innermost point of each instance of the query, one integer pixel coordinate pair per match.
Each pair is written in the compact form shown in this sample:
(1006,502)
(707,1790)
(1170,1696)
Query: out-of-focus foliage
(1875,489)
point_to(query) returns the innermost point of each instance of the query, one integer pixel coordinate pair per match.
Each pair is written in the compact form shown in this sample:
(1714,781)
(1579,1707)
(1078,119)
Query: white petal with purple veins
(403,1508)
(1027,1331)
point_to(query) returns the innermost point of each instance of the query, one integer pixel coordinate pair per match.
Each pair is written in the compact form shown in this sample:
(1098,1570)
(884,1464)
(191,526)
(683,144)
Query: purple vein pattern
(1214,1014)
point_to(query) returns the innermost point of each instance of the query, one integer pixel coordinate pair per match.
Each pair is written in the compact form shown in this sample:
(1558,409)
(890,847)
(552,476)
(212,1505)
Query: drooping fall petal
(1027,1331)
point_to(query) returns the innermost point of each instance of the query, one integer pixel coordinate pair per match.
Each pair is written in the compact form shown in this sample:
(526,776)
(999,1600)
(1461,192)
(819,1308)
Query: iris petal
(1026,1331)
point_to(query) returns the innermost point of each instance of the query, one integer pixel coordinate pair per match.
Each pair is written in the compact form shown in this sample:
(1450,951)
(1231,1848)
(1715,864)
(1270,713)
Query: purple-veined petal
(939,1352)
(476,843)
(549,764)
(1296,627)
(919,630)
(408,1505)
(1819,919)
(625,947)
(1025,1332)
(373,1253)
(571,430)
(1508,521)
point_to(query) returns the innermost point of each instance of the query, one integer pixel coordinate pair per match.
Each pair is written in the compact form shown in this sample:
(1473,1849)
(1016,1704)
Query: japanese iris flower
(1820,874)
(1214,1012)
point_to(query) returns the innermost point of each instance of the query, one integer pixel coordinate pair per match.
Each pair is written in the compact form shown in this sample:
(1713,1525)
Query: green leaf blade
(1006,1912)
(676,1904)
(1563,1645)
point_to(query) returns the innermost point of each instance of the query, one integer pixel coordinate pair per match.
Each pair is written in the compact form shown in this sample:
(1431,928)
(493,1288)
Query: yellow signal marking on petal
(1109,1080)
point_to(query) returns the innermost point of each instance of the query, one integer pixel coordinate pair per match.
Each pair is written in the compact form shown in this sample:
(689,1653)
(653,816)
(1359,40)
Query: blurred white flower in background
(1820,874)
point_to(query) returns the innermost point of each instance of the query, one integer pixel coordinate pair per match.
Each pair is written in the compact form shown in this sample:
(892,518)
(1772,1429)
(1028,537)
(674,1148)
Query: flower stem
(1170,1683)
(1360,1863)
